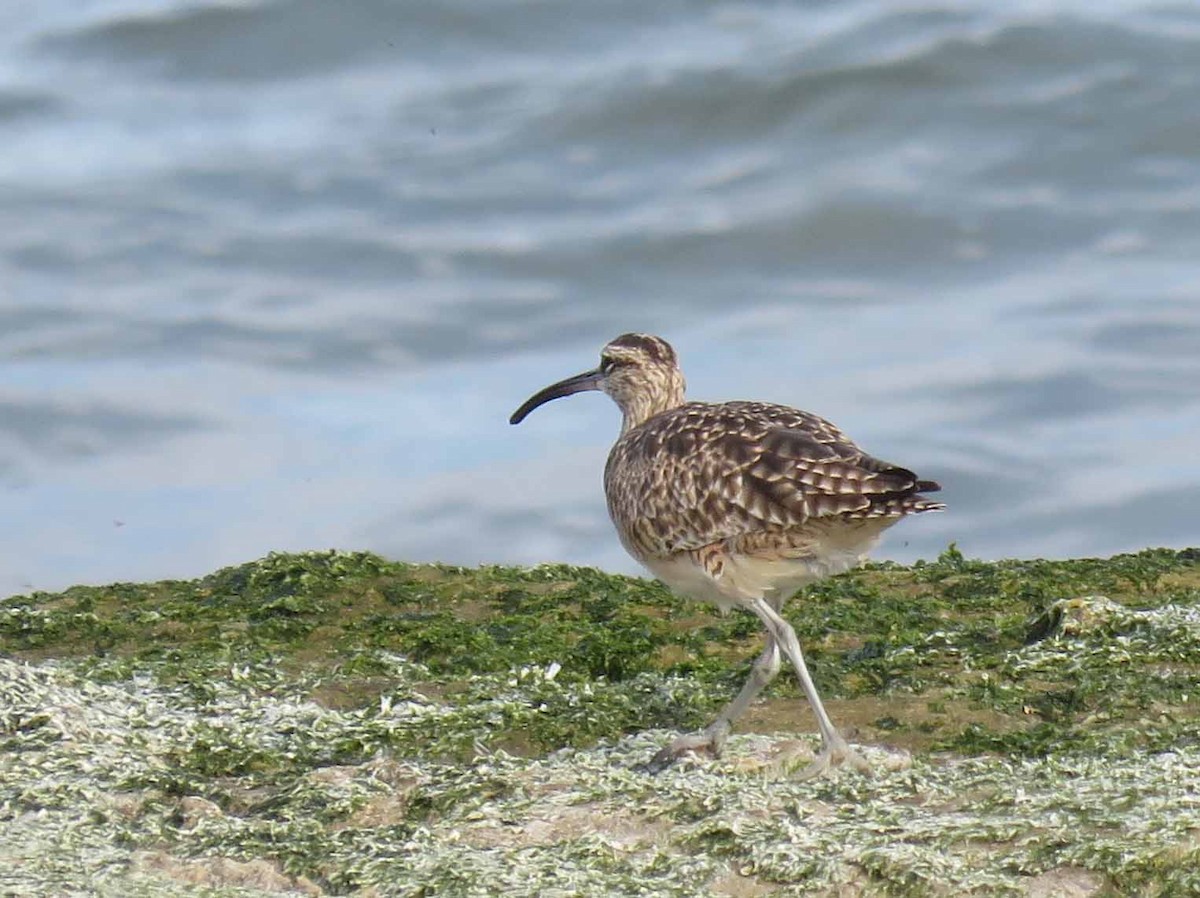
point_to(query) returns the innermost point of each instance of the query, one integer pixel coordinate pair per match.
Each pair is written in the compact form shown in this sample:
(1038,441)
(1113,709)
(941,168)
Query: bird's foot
(834,753)
(707,741)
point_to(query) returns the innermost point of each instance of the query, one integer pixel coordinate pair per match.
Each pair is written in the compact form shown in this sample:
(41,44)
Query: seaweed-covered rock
(1079,616)
(337,723)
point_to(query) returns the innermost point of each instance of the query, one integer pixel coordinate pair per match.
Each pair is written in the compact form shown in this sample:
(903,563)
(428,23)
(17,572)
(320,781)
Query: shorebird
(739,504)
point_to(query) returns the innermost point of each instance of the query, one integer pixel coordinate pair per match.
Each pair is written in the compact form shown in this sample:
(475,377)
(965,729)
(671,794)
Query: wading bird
(739,504)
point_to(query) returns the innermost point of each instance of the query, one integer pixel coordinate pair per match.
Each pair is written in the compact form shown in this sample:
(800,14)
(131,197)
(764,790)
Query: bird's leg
(712,737)
(835,750)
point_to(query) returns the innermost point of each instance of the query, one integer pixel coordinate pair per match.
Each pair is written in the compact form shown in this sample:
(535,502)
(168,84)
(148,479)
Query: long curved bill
(589,380)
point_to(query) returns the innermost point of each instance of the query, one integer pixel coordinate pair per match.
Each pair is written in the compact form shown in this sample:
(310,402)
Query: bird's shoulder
(731,435)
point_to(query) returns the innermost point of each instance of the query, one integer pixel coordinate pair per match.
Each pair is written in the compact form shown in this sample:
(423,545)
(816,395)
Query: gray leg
(712,737)
(762,672)
(834,748)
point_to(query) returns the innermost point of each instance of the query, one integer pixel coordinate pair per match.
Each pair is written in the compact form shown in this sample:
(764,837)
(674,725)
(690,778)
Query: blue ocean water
(273,274)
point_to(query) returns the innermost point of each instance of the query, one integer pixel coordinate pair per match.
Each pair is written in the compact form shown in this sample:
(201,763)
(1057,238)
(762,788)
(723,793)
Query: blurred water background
(273,274)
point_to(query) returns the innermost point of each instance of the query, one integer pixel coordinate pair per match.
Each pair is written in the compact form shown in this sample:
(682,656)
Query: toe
(693,743)
(841,754)
(830,757)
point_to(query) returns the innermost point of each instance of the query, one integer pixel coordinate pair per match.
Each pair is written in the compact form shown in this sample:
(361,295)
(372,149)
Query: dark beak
(589,380)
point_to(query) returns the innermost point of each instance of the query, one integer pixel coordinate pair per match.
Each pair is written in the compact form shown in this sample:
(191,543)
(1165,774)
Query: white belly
(747,577)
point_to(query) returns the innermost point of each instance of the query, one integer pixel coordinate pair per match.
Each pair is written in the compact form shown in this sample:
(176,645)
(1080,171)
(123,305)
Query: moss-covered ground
(334,723)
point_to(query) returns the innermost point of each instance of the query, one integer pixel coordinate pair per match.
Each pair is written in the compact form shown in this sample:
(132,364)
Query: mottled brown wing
(703,473)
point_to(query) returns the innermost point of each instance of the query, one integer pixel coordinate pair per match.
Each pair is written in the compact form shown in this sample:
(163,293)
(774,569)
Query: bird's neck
(643,405)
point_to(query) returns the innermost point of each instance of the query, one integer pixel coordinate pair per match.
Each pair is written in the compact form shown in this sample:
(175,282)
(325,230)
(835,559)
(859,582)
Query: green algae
(337,723)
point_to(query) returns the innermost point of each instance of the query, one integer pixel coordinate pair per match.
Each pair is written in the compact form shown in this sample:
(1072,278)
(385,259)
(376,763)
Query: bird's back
(747,474)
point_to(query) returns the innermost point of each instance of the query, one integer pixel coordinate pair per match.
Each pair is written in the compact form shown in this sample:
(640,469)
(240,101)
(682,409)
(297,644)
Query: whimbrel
(739,504)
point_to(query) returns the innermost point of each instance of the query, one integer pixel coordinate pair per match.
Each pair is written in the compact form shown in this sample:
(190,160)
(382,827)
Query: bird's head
(640,372)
